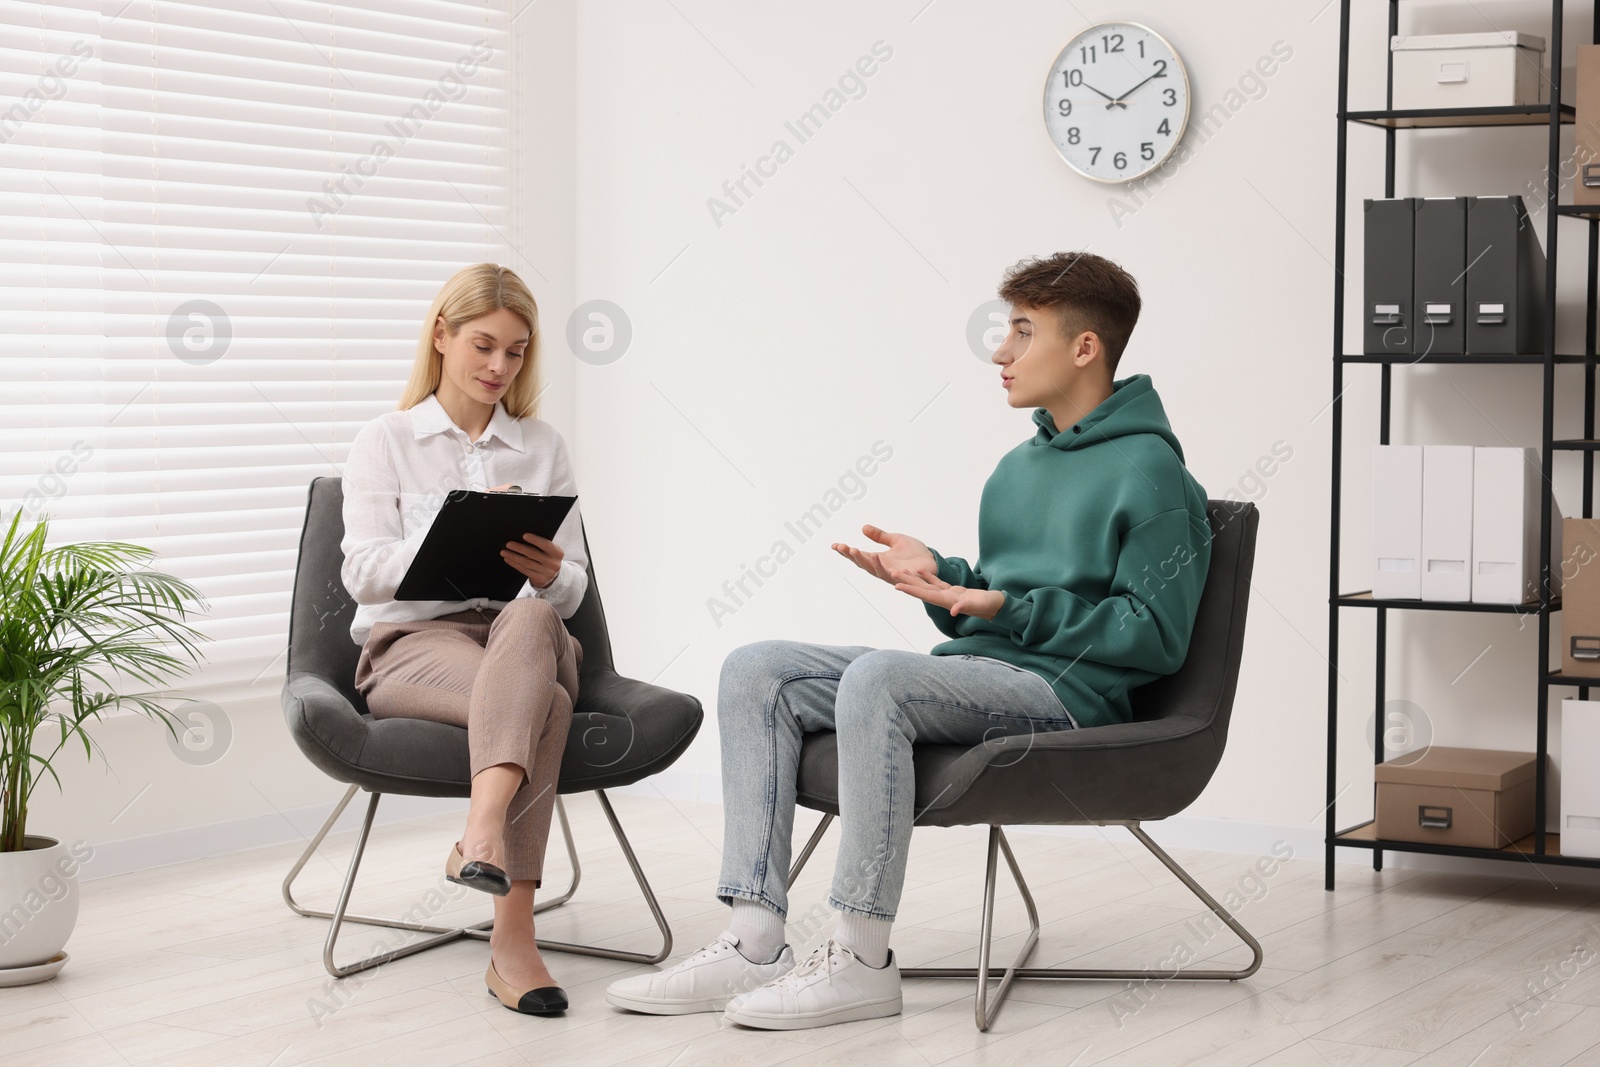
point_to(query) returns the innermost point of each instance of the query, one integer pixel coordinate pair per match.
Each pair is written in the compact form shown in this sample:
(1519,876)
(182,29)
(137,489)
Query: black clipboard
(460,556)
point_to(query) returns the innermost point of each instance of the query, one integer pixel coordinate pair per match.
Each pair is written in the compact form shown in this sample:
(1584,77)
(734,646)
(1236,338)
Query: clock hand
(1129,93)
(1108,96)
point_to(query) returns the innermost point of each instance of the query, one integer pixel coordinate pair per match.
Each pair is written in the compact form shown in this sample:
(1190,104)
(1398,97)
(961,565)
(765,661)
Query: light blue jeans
(878,701)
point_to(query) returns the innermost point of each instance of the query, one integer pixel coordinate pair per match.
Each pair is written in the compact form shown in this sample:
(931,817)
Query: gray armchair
(1121,775)
(623,730)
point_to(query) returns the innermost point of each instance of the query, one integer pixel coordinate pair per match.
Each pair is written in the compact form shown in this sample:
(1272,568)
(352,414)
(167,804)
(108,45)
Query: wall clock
(1116,102)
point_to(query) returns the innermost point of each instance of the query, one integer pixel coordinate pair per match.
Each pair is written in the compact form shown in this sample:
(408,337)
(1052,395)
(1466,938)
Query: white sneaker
(706,981)
(831,986)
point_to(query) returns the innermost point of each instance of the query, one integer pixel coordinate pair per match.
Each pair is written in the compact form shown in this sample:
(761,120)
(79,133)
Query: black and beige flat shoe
(545,1000)
(476,874)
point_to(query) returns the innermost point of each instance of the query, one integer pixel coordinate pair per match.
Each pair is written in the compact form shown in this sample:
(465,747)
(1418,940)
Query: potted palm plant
(80,623)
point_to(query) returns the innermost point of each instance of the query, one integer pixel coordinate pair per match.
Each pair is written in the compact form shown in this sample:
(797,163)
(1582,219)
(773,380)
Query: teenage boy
(1094,545)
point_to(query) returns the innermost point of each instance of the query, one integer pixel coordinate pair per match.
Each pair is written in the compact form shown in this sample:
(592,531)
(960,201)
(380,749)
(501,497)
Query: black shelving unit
(1539,847)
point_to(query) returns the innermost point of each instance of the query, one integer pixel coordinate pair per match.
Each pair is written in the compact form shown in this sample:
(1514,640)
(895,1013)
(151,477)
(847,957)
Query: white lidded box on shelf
(1447,522)
(1580,784)
(1503,68)
(1505,526)
(1397,522)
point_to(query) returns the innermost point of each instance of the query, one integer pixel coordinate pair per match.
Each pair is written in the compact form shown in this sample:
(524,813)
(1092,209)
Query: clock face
(1116,102)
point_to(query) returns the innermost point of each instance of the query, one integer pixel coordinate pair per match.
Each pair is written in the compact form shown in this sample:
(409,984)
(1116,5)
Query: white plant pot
(38,905)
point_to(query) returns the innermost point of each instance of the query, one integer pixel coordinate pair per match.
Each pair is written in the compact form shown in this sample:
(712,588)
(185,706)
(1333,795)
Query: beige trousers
(510,677)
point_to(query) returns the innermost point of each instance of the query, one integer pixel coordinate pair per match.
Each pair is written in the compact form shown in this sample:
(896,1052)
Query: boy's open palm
(908,565)
(903,559)
(983,603)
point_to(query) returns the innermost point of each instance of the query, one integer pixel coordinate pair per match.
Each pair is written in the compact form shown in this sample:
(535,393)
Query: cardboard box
(1586,135)
(1502,68)
(1580,790)
(1473,797)
(1579,568)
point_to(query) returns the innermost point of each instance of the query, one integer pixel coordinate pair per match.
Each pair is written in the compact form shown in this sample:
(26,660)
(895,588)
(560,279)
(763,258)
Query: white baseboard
(702,786)
(1198,832)
(1215,835)
(296,825)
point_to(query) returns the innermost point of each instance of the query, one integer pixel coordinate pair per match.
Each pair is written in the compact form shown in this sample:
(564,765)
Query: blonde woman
(507,671)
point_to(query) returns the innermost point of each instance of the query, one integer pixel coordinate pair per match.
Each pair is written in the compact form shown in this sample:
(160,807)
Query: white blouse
(400,467)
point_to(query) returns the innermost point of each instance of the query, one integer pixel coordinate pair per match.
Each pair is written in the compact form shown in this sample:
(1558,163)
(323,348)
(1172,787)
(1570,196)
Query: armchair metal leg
(572,857)
(644,887)
(339,915)
(998,845)
(1222,913)
(445,934)
(811,846)
(983,1015)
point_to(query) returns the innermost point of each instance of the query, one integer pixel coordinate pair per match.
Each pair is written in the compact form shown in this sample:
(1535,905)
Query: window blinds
(222,226)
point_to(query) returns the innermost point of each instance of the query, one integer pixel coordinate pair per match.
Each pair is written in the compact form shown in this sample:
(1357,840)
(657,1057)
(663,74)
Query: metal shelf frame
(1541,847)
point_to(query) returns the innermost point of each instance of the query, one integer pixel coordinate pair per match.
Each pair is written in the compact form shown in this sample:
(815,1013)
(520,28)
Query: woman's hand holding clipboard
(484,544)
(536,558)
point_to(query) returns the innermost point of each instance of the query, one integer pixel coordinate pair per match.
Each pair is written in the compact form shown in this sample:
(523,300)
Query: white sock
(865,936)
(759,930)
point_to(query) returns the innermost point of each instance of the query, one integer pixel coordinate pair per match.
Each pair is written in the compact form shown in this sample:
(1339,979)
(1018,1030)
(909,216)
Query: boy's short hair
(1086,291)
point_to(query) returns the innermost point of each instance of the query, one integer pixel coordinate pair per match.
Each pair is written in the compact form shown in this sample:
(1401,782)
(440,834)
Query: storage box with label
(1586,130)
(1580,787)
(1579,568)
(1497,69)
(1506,485)
(1397,522)
(1473,797)
(1447,522)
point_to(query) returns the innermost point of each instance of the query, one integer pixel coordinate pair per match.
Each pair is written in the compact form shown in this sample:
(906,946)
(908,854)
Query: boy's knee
(754,660)
(873,672)
(864,685)
(870,690)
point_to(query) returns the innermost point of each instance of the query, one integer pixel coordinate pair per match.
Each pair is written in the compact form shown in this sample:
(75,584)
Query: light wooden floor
(203,964)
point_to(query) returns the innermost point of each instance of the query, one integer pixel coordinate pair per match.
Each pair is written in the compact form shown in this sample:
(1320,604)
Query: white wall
(830,312)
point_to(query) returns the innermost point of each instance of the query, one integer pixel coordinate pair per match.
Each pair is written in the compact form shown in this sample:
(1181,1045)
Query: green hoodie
(1098,537)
